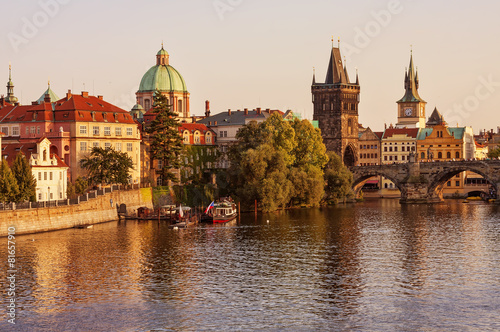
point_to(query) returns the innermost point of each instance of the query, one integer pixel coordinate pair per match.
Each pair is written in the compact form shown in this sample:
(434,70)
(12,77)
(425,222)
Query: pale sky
(261,53)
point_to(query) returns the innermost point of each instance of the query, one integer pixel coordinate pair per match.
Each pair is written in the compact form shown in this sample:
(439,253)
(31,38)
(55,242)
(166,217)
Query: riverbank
(94,211)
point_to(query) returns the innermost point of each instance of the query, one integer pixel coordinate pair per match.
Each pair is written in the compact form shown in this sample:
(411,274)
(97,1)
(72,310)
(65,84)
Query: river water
(375,266)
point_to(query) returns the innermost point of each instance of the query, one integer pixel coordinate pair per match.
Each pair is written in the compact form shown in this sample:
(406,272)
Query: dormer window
(93,115)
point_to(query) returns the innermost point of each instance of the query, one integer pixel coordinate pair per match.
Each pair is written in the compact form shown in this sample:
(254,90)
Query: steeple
(336,72)
(162,57)
(357,77)
(411,85)
(314,76)
(11,99)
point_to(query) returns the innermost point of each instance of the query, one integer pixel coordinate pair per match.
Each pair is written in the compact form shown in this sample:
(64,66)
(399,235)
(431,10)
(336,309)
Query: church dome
(162,77)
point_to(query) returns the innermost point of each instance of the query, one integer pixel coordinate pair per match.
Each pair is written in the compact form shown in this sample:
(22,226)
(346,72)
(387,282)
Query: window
(129,147)
(385,148)
(107,145)
(32,130)
(5,130)
(186,137)
(40,176)
(60,195)
(45,176)
(50,176)
(221,134)
(396,149)
(448,155)
(60,175)
(83,146)
(95,144)
(385,158)
(440,155)
(51,195)
(107,131)
(118,131)
(448,184)
(403,149)
(83,130)
(457,155)
(27,130)
(38,130)
(129,131)
(95,130)
(422,155)
(118,147)
(457,183)
(40,197)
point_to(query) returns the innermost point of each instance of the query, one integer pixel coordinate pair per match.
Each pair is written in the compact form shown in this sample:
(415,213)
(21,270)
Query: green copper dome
(162,52)
(52,95)
(164,78)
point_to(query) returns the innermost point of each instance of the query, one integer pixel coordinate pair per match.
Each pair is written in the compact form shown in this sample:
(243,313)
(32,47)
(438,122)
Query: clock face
(408,111)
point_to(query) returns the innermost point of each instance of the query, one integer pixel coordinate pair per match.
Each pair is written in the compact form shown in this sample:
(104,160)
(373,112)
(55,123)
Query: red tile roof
(11,151)
(192,127)
(410,132)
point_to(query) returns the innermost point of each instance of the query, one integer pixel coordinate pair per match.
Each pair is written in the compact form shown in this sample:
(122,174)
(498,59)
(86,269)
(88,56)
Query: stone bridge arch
(360,176)
(439,180)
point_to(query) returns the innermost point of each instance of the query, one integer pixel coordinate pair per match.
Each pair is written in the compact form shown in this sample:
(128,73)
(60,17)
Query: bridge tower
(411,108)
(336,109)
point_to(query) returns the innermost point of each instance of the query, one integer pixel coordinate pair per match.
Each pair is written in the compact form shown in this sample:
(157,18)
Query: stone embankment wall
(94,211)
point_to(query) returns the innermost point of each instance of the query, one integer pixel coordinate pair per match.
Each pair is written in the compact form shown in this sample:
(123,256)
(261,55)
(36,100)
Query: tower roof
(10,89)
(435,119)
(336,71)
(162,77)
(53,97)
(411,85)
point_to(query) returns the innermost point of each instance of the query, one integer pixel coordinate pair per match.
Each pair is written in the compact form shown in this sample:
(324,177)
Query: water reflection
(375,266)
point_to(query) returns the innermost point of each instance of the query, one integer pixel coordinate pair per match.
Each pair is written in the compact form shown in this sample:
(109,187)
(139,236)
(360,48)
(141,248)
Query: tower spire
(11,99)
(314,75)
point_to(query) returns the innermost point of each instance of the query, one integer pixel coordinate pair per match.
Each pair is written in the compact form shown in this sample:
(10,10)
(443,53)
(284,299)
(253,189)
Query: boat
(224,211)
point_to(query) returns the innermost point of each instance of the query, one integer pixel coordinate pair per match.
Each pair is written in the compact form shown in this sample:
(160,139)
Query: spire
(357,77)
(336,73)
(11,99)
(411,84)
(162,57)
(314,76)
(345,70)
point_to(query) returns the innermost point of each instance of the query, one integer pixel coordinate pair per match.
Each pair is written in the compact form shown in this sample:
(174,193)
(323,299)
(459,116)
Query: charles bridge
(423,182)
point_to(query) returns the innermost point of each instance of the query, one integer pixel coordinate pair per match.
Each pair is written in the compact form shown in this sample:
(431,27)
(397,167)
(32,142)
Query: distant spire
(345,70)
(411,84)
(314,75)
(11,99)
(357,77)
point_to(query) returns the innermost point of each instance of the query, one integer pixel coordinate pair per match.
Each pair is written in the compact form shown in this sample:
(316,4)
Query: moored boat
(224,211)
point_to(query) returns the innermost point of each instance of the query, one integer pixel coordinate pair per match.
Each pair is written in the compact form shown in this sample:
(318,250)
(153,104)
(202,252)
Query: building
(50,172)
(201,153)
(411,108)
(74,125)
(369,147)
(226,126)
(166,79)
(335,105)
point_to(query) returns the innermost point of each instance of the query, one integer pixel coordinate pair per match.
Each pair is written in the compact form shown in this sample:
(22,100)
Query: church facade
(335,105)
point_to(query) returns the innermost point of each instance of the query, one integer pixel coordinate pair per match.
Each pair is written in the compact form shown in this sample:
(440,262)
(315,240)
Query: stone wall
(94,211)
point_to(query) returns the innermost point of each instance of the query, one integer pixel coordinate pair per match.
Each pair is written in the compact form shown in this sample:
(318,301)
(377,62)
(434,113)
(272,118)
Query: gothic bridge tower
(336,109)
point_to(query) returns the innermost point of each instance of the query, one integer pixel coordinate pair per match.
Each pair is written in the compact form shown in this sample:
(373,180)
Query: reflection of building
(336,110)
(50,172)
(411,108)
(163,78)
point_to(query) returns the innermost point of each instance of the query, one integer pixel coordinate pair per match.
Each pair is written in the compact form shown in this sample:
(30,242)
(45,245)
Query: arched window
(147,104)
(440,155)
(448,155)
(44,155)
(208,138)
(457,155)
(197,137)
(422,155)
(185,137)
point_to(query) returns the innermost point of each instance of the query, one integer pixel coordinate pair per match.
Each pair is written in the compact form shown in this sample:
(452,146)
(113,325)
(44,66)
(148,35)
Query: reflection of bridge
(424,182)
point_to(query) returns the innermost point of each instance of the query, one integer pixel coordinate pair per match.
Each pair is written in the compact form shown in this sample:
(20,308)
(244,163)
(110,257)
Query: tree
(80,185)
(107,166)
(25,179)
(495,153)
(9,190)
(338,179)
(165,141)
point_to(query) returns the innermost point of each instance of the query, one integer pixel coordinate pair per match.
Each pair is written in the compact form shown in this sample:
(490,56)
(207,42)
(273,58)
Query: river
(374,266)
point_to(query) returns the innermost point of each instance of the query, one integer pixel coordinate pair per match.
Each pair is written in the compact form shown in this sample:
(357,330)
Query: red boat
(224,211)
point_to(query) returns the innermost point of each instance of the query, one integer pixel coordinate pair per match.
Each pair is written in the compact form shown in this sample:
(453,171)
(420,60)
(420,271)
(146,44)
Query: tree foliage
(338,179)
(107,166)
(9,190)
(495,153)
(278,163)
(24,178)
(165,141)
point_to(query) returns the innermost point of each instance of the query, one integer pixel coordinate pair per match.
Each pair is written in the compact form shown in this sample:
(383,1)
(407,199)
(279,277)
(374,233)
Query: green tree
(495,153)
(81,185)
(107,166)
(70,190)
(9,190)
(338,179)
(25,179)
(165,141)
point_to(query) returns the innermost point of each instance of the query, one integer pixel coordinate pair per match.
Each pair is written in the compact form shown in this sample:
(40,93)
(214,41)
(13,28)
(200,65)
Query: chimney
(85,94)
(46,98)
(245,111)
(259,110)
(100,97)
(34,103)
(268,110)
(207,108)
(69,95)
(229,112)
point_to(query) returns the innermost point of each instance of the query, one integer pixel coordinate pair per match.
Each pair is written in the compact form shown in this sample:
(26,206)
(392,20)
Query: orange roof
(10,151)
(192,127)
(410,132)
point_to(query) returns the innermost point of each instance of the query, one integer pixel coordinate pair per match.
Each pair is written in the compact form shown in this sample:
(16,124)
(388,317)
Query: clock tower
(411,108)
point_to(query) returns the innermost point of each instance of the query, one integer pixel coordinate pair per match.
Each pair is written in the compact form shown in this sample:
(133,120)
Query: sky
(261,53)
